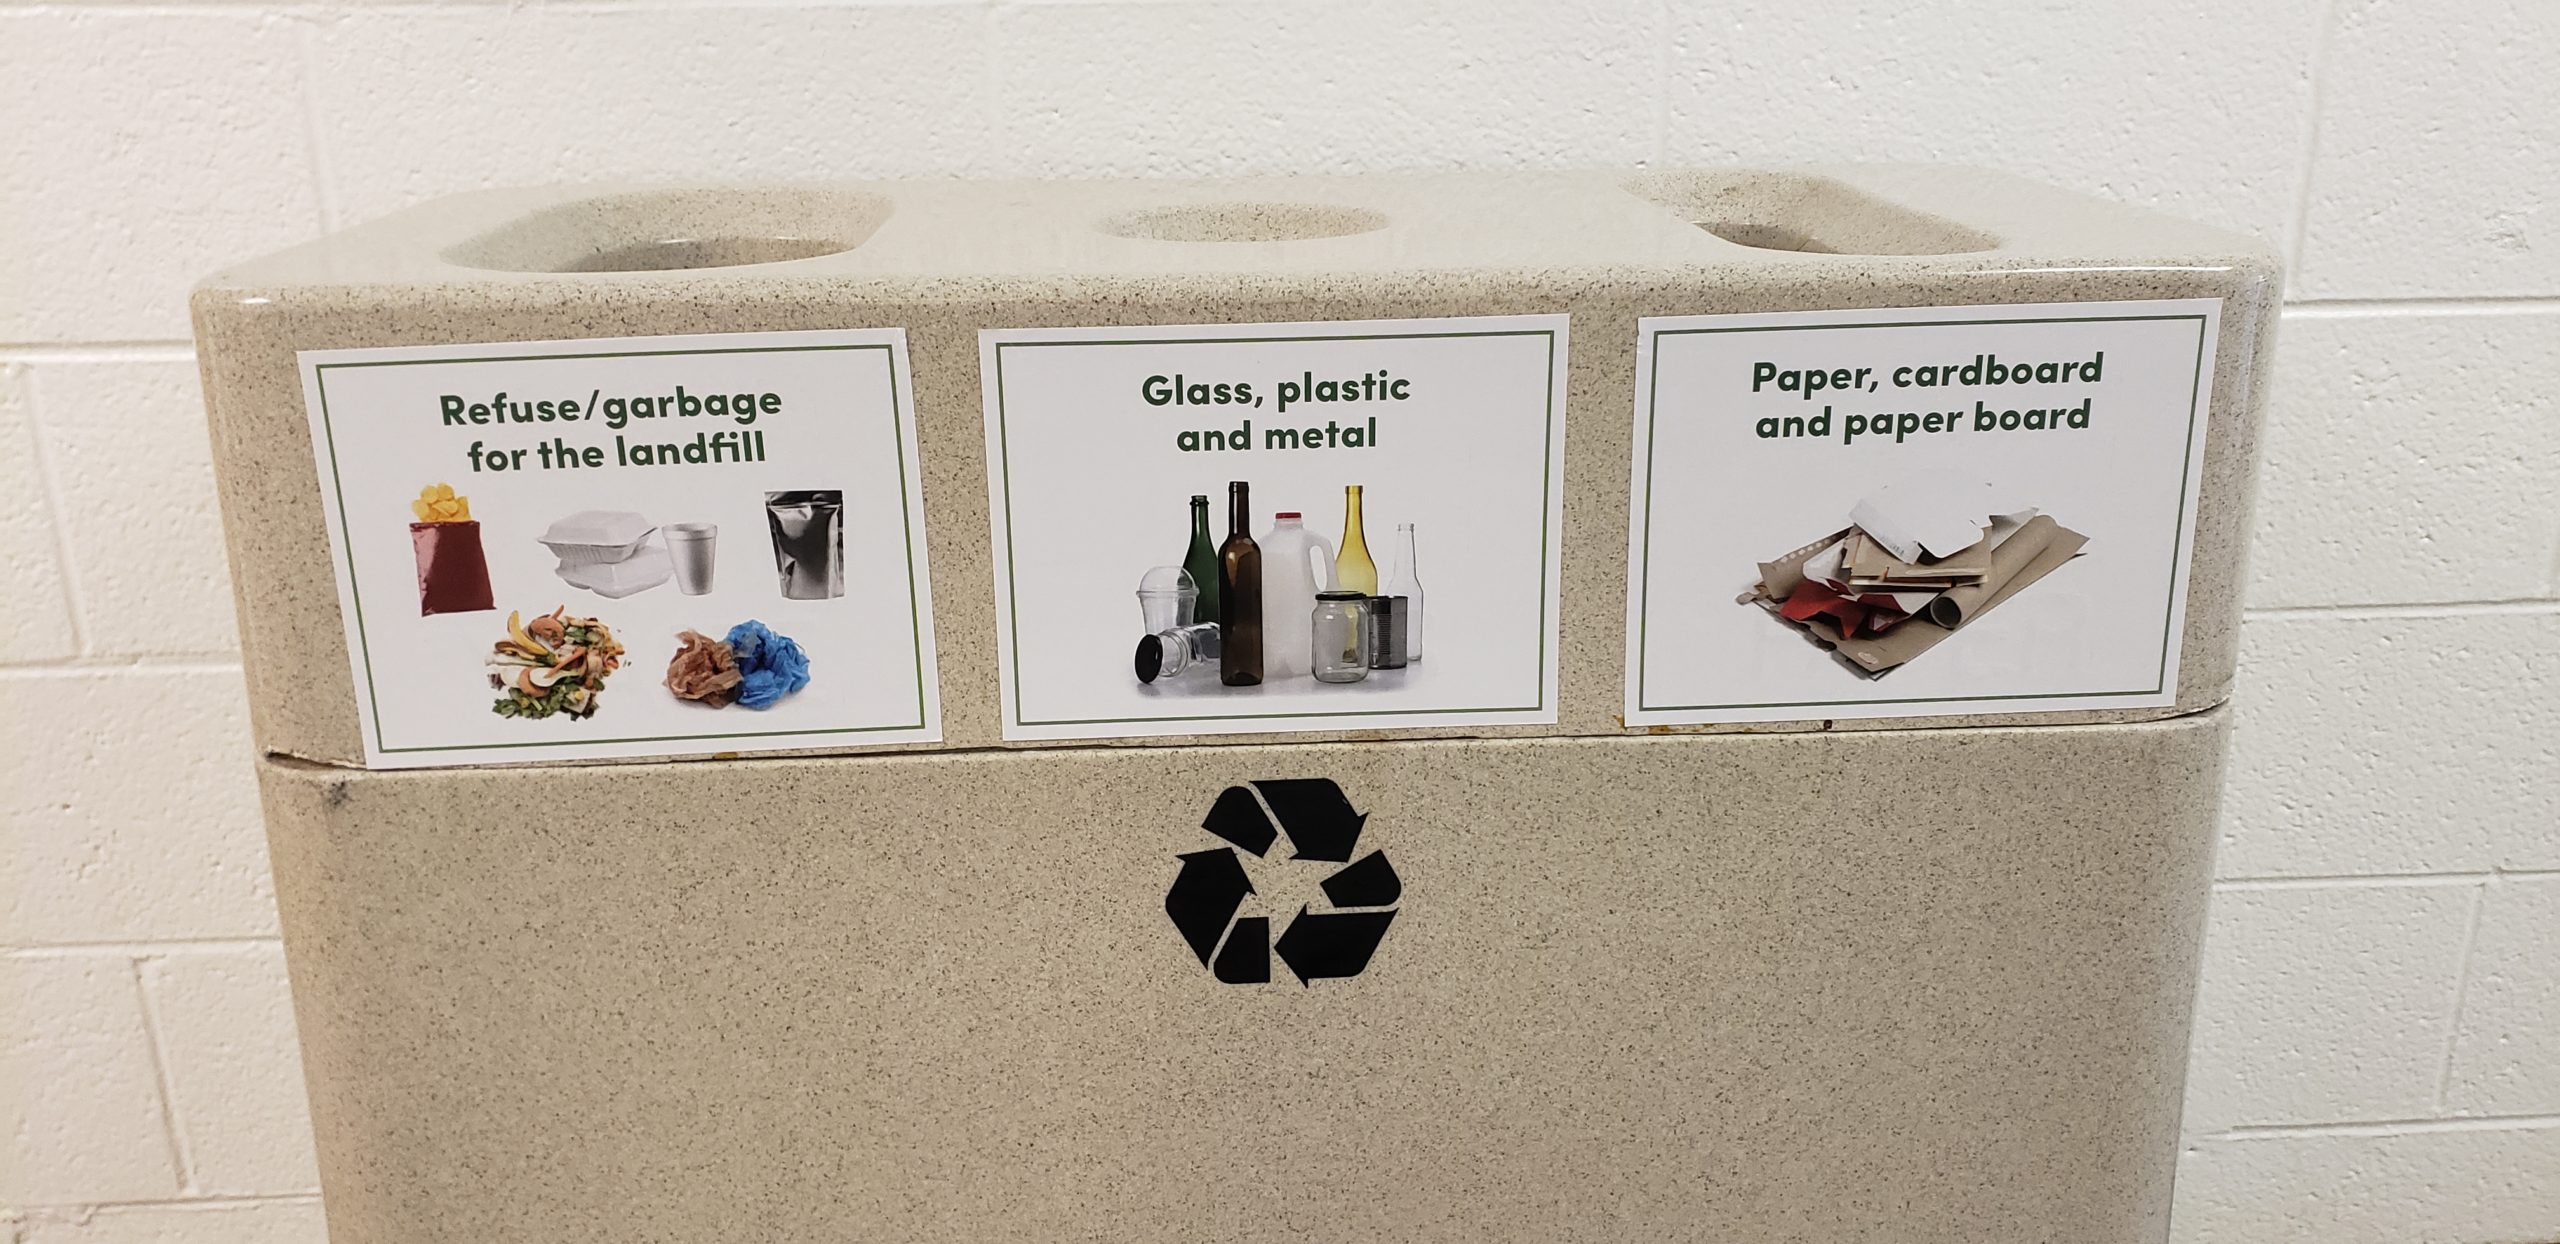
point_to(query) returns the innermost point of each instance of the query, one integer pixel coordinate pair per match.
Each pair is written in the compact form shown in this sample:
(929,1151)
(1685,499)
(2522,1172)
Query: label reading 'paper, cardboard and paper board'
(1276,527)
(1890,513)
(631,547)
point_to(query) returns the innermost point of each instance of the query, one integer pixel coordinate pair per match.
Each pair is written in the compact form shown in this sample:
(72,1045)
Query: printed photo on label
(630,547)
(1886,513)
(1276,527)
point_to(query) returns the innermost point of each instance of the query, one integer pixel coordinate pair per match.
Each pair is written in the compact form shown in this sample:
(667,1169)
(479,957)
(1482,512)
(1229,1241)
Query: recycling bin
(1789,817)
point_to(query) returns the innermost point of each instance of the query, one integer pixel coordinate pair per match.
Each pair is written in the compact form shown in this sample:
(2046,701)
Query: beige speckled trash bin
(1676,982)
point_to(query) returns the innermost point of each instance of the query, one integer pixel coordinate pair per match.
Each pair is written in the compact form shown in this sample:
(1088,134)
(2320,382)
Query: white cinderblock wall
(2378,1052)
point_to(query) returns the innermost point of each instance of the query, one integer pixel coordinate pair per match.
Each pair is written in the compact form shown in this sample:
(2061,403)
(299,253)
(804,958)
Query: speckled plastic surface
(1892,986)
(943,260)
(1784,982)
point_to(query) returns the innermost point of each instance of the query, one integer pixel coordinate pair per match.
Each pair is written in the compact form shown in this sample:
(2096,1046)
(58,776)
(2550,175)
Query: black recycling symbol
(1210,890)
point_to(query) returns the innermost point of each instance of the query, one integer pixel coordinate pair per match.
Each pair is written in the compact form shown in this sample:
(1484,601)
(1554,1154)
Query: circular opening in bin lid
(1804,213)
(1244,222)
(679,230)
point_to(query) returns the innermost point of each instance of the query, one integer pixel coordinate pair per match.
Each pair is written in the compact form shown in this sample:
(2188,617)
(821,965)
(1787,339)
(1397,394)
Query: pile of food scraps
(553,664)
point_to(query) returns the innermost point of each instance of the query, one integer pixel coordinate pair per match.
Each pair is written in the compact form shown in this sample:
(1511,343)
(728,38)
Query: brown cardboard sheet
(1870,563)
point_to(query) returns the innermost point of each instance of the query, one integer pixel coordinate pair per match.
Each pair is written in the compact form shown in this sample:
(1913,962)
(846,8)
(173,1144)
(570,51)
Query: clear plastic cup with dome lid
(1167,598)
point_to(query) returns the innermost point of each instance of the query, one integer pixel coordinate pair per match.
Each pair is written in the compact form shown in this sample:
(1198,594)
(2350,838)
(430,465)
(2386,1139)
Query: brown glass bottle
(1240,594)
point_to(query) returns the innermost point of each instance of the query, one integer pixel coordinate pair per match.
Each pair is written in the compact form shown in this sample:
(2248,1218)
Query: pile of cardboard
(1917,563)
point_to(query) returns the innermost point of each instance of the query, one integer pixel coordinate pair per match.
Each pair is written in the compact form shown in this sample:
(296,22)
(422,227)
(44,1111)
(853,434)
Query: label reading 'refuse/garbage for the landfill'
(630,547)
(1276,527)
(1912,512)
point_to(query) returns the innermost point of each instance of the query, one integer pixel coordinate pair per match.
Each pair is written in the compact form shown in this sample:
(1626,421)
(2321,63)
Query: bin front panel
(1888,985)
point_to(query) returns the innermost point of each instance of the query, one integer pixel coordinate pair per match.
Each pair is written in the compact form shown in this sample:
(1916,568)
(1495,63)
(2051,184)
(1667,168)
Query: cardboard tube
(2064,546)
(2015,554)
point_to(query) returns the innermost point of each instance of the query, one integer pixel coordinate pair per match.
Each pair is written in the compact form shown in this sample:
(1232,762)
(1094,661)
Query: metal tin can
(1387,618)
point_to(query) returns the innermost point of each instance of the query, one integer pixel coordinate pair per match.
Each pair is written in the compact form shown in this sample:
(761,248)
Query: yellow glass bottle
(1352,567)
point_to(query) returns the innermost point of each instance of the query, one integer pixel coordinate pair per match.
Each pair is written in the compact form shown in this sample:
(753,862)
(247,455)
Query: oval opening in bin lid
(597,535)
(679,230)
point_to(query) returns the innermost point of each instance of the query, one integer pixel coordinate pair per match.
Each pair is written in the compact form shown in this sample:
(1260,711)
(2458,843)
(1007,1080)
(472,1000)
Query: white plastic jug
(1296,563)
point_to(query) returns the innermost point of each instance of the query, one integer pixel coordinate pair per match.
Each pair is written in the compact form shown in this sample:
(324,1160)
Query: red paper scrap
(1872,614)
(1812,600)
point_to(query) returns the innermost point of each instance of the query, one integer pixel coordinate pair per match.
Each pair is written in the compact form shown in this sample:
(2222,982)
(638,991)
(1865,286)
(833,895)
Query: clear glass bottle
(1167,653)
(1240,593)
(1202,560)
(1352,568)
(1341,624)
(1407,582)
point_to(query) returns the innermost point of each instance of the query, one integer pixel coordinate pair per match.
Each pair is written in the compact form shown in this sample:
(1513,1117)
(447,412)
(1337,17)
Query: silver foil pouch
(808,542)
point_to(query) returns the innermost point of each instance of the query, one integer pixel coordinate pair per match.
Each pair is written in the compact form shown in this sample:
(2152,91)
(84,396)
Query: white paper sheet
(1930,516)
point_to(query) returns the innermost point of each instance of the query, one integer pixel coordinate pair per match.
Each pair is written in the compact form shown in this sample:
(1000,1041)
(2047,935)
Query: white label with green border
(1099,439)
(524,535)
(1925,511)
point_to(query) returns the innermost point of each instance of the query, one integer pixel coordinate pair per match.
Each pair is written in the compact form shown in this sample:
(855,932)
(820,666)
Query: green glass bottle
(1202,561)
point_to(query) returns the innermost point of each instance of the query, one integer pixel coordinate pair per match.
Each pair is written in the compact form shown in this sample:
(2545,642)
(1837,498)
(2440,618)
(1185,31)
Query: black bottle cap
(1150,659)
(1342,596)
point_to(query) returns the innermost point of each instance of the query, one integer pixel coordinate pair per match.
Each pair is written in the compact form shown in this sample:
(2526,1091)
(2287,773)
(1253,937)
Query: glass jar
(1341,622)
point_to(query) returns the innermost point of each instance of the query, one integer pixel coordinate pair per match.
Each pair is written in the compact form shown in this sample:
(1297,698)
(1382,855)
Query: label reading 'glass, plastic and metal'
(1276,527)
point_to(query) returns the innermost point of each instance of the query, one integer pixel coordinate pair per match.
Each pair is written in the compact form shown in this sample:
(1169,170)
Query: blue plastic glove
(771,666)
